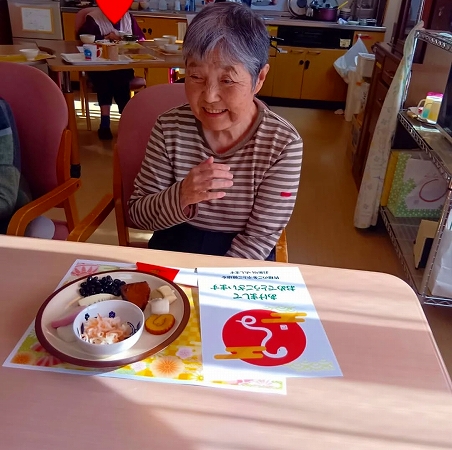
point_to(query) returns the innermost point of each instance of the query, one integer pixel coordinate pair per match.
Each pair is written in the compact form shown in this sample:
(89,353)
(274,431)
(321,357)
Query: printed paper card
(257,321)
(180,362)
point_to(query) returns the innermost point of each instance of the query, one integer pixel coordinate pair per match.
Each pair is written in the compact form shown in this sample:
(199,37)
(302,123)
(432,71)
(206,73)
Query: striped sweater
(266,166)
(14,192)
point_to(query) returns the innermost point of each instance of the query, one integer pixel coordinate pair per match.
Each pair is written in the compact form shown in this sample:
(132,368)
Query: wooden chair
(136,84)
(134,130)
(41,117)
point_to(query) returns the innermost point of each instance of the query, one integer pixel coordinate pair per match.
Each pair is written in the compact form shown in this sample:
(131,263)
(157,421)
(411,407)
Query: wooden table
(394,394)
(60,71)
(14,50)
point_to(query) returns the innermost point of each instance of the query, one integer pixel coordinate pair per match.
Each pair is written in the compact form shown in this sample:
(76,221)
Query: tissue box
(418,189)
(423,243)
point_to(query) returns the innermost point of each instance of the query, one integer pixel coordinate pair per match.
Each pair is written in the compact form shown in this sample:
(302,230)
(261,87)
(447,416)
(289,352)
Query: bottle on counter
(190,5)
(177,5)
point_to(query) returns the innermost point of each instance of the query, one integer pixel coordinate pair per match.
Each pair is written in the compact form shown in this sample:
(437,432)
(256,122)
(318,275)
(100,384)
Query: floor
(321,230)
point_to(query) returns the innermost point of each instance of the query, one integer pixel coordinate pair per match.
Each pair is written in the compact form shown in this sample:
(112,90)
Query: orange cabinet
(68,26)
(272,31)
(153,27)
(267,87)
(289,68)
(320,79)
(308,74)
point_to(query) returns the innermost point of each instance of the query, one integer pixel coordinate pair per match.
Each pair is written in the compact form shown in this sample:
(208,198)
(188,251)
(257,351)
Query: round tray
(65,298)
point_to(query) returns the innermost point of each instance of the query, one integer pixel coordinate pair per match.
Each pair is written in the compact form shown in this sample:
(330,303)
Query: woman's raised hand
(204,182)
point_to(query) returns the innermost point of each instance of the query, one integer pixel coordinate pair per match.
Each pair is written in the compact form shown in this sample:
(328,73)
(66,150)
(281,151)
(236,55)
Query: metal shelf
(437,301)
(403,232)
(440,39)
(431,141)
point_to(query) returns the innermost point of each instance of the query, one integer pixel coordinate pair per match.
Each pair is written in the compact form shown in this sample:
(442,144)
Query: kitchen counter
(270,19)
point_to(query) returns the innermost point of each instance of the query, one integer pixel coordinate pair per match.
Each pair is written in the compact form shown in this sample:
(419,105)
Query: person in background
(112,84)
(220,175)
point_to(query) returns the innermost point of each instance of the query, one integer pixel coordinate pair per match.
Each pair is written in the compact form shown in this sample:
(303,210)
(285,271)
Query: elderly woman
(220,175)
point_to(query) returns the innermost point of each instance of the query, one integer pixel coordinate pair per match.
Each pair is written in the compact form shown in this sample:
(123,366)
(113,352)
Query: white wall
(392,12)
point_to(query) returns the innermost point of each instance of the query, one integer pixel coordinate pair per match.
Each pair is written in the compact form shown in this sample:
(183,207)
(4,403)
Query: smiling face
(221,95)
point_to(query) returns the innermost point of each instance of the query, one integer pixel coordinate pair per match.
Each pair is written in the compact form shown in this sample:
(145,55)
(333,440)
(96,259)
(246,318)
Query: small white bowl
(171,38)
(126,311)
(161,41)
(88,38)
(171,48)
(30,53)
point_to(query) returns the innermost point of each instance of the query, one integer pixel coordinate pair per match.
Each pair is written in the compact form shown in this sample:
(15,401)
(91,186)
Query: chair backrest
(41,115)
(80,18)
(134,130)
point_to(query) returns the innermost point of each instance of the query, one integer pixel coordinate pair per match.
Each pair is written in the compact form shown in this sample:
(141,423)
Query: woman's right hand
(112,36)
(203,181)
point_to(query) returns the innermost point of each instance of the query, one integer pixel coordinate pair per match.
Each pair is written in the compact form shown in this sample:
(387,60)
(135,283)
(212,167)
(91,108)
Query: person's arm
(155,201)
(273,206)
(136,30)
(90,27)
(9,187)
(9,174)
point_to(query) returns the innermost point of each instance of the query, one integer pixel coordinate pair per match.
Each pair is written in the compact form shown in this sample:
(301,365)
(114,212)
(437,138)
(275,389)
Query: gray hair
(233,30)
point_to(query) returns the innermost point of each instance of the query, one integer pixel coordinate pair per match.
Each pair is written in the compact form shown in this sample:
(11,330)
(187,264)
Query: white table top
(395,393)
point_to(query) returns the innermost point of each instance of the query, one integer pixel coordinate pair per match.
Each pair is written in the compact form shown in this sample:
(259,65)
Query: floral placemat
(180,362)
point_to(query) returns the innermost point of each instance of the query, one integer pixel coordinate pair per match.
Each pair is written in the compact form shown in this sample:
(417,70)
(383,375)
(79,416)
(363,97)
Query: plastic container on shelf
(365,65)
(190,5)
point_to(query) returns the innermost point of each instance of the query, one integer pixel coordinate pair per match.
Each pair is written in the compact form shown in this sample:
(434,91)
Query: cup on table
(171,48)
(87,38)
(160,42)
(110,51)
(29,53)
(171,38)
(430,107)
(91,52)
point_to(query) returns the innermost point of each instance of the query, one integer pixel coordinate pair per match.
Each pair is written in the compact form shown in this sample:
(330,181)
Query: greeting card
(257,321)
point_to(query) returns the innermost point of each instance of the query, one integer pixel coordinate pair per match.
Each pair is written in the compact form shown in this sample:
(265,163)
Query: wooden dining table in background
(11,53)
(14,49)
(60,71)
(395,392)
